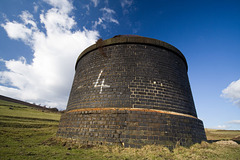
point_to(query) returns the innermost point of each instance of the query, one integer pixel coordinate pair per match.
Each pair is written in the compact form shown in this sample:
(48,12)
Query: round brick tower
(132,91)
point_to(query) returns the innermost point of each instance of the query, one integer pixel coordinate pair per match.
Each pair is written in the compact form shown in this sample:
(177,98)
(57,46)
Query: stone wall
(133,91)
(130,127)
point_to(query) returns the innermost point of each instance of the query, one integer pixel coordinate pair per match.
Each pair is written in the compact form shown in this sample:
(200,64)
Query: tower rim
(131,39)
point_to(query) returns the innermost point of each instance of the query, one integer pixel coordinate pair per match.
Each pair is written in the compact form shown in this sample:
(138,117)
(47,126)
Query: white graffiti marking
(102,85)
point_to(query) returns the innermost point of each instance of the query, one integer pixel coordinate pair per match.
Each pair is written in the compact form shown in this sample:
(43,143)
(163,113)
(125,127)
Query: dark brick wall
(130,128)
(132,73)
(135,75)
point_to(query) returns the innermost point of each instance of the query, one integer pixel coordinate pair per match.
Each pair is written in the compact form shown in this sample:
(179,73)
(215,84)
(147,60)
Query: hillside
(216,135)
(8,99)
(29,133)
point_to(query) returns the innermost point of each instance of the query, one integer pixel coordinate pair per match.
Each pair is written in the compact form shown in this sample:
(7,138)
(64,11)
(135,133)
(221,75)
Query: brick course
(131,91)
(130,128)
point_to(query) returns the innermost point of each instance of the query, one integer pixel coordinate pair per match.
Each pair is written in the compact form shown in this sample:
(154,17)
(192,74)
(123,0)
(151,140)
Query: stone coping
(131,39)
(90,110)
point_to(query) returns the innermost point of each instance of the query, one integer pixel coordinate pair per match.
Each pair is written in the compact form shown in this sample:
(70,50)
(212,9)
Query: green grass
(213,134)
(18,110)
(27,133)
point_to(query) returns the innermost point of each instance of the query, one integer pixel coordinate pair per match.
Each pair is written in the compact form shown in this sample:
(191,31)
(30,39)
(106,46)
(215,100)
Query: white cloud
(233,125)
(35,7)
(17,31)
(107,17)
(57,22)
(88,9)
(222,127)
(27,18)
(99,22)
(125,5)
(107,10)
(232,92)
(95,2)
(234,122)
(48,79)
(22,31)
(63,6)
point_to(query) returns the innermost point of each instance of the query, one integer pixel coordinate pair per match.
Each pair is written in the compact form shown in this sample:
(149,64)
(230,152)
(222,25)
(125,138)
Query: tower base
(130,127)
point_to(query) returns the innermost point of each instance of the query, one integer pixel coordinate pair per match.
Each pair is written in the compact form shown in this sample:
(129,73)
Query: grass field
(27,133)
(213,134)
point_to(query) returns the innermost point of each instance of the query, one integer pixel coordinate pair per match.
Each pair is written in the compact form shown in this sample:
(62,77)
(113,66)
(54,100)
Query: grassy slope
(213,134)
(26,133)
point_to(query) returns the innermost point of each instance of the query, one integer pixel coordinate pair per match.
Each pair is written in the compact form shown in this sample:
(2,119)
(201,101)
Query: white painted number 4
(101,85)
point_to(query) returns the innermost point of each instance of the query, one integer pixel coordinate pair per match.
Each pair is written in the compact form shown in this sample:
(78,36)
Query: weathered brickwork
(161,95)
(132,128)
(131,91)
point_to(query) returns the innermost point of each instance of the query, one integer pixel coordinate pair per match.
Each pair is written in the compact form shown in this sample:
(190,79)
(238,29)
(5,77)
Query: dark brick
(136,72)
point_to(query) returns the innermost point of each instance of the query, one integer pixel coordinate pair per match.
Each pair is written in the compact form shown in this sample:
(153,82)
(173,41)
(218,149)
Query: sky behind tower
(40,41)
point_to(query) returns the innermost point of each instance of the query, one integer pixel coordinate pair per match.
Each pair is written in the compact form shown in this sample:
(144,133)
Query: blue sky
(41,39)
